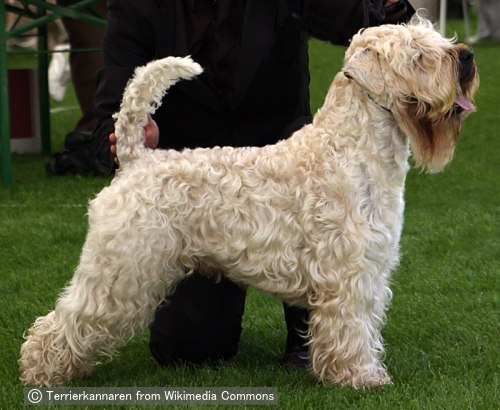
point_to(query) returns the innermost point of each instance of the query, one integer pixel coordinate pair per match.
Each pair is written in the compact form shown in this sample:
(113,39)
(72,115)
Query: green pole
(5,159)
(43,83)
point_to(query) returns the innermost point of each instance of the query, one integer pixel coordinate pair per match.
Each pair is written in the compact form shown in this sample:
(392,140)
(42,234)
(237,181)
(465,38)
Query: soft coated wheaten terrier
(315,219)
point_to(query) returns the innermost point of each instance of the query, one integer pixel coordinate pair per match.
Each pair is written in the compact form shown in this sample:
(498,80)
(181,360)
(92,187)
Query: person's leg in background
(488,21)
(84,65)
(201,321)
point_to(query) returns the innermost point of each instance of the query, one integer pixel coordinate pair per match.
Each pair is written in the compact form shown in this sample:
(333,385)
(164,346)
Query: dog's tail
(142,96)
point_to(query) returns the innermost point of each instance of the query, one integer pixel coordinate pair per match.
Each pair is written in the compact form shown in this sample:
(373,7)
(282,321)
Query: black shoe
(297,356)
(296,351)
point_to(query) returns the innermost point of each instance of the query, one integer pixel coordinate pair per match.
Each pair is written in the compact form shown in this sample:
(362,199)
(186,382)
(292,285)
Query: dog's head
(426,81)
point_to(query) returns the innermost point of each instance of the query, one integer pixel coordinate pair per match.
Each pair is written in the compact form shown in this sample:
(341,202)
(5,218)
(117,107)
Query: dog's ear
(364,68)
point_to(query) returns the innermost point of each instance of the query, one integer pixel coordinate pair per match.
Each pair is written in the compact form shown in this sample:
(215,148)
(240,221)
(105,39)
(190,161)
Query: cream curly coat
(315,219)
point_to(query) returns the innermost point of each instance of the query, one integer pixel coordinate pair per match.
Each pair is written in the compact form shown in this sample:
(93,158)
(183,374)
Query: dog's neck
(354,120)
(378,104)
(343,93)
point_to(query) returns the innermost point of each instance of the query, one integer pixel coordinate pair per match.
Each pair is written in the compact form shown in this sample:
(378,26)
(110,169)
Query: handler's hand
(151,136)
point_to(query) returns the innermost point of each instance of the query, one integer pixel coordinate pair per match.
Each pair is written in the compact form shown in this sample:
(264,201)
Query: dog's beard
(434,130)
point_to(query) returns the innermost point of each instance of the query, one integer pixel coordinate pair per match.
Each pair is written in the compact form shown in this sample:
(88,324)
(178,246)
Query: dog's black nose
(466,56)
(466,59)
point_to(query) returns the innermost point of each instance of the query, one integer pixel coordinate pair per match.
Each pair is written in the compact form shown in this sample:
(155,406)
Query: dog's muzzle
(466,75)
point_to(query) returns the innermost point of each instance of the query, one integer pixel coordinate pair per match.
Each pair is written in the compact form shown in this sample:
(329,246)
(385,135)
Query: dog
(315,219)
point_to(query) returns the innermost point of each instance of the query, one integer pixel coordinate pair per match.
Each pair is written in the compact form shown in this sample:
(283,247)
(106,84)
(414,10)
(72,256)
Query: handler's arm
(338,20)
(128,43)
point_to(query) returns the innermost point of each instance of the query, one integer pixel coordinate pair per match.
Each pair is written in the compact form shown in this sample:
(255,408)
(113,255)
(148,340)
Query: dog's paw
(372,376)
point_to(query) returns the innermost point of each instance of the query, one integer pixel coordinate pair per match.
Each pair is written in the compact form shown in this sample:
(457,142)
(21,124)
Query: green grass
(443,326)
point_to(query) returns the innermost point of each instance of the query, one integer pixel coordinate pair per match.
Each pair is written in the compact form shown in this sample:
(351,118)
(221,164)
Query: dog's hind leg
(345,341)
(115,291)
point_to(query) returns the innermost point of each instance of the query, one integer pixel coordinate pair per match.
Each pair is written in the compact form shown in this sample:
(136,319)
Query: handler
(254,91)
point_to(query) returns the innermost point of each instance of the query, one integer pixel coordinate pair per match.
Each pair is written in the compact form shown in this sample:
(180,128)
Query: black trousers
(202,321)
(84,65)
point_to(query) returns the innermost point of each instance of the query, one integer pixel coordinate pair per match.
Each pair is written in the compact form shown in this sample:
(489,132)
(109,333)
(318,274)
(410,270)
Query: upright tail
(143,95)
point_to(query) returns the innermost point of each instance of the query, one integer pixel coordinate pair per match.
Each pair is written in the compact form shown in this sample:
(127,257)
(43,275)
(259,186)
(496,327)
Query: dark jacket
(271,85)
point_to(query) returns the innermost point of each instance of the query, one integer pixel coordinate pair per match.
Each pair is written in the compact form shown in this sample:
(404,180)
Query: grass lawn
(442,334)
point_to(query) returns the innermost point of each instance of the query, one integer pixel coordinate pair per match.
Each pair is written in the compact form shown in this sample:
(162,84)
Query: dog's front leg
(345,341)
